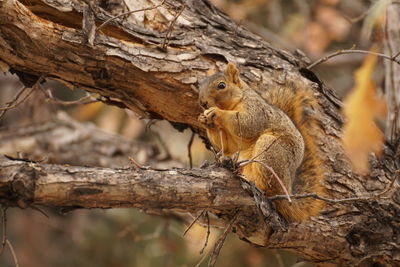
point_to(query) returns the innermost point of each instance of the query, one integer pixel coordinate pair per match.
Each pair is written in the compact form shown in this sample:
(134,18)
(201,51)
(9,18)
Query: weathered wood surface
(132,63)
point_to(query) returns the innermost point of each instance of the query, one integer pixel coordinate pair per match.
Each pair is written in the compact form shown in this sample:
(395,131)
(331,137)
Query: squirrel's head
(223,89)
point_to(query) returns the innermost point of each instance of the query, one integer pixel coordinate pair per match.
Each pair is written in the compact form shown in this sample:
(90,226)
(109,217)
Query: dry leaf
(362,107)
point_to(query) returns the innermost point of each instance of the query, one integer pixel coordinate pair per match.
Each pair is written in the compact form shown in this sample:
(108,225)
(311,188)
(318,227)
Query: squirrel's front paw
(208,117)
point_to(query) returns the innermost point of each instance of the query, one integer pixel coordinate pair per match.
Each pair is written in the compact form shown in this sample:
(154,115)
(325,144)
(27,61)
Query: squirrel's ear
(232,73)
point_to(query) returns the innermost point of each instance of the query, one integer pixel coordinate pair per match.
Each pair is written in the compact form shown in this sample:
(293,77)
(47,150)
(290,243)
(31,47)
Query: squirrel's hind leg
(273,159)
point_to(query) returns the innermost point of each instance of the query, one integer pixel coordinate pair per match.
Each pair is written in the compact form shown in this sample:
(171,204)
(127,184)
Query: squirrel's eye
(221,85)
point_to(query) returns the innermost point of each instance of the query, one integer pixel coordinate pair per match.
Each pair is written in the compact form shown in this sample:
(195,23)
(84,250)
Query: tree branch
(125,63)
(71,186)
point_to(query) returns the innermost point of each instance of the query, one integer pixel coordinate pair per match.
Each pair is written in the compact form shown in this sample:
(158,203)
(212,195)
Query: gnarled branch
(127,63)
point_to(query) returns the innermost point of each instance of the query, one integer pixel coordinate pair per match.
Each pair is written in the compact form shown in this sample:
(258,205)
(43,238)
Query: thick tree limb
(86,187)
(125,61)
(213,189)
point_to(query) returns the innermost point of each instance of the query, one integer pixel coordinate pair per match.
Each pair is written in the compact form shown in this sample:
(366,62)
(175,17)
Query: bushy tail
(301,106)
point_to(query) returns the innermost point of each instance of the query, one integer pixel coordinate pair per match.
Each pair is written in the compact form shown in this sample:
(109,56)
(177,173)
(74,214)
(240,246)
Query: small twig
(3,242)
(8,105)
(171,25)
(356,19)
(352,51)
(128,13)
(201,260)
(221,139)
(19,158)
(237,153)
(330,200)
(88,99)
(397,173)
(395,56)
(39,210)
(12,104)
(189,148)
(246,162)
(220,242)
(135,163)
(194,221)
(313,195)
(266,149)
(82,101)
(208,233)
(13,253)
(215,153)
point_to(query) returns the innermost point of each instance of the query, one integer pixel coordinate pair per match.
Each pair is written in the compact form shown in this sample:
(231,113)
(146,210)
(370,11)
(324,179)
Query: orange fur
(278,131)
(299,104)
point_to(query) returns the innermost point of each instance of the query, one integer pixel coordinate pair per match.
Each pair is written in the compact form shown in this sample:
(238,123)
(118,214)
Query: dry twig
(221,241)
(129,13)
(208,233)
(88,99)
(201,260)
(266,149)
(246,162)
(221,139)
(3,242)
(193,222)
(395,56)
(171,25)
(13,103)
(189,147)
(329,200)
(13,253)
(353,51)
(356,19)
(135,163)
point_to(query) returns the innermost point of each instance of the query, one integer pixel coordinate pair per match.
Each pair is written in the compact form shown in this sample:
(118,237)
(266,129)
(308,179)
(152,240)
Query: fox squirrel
(273,132)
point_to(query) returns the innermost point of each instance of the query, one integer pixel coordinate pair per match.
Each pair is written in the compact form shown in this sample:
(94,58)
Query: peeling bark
(131,62)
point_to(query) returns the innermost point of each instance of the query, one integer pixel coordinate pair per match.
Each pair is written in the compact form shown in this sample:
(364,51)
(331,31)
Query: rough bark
(144,64)
(87,187)
(392,85)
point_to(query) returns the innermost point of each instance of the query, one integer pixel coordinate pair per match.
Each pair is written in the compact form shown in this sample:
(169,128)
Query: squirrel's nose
(204,104)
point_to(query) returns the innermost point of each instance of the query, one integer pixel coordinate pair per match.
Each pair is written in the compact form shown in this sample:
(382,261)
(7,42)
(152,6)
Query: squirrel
(275,132)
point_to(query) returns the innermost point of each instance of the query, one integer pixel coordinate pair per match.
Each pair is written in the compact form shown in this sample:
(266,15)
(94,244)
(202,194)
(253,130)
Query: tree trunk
(151,62)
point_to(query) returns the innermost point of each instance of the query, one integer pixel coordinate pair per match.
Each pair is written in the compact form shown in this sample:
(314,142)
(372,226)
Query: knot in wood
(23,185)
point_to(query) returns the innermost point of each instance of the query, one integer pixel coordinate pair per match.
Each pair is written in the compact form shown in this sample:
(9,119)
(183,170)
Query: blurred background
(129,237)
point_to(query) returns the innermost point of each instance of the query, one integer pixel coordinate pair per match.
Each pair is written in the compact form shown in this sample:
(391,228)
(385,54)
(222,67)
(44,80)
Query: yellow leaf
(362,107)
